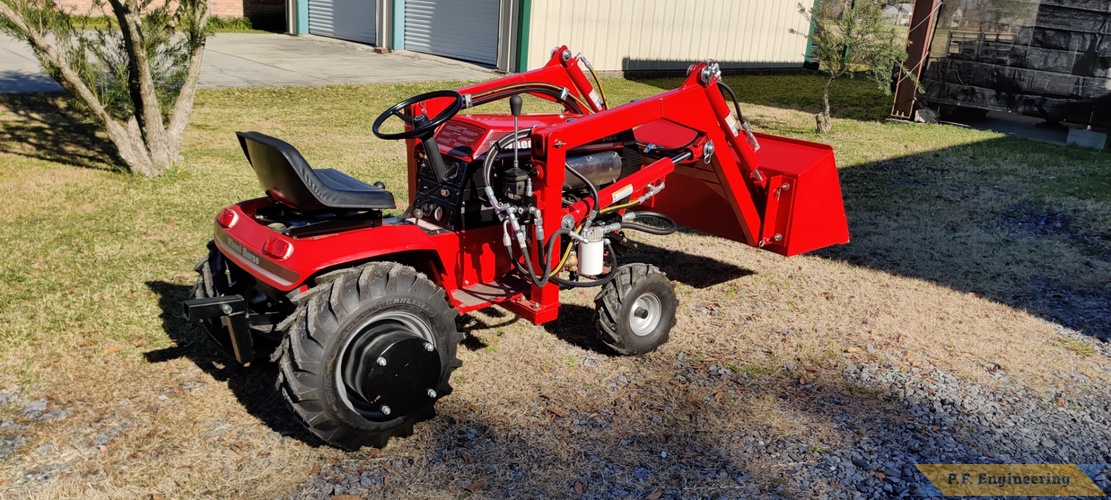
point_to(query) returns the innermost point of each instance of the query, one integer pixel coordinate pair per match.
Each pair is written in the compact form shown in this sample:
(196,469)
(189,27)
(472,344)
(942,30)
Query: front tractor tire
(367,354)
(635,311)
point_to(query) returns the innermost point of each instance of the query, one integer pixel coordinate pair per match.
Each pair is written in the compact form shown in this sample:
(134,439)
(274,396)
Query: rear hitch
(232,311)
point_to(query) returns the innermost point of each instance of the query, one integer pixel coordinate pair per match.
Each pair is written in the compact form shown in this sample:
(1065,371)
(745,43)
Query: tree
(135,78)
(852,37)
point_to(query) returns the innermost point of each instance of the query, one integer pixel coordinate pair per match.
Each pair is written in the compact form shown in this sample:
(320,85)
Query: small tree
(852,37)
(135,78)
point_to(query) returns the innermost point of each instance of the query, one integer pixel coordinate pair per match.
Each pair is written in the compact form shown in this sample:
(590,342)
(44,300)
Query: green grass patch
(1077,347)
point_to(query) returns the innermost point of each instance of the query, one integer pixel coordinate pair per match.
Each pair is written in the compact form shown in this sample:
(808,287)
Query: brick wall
(226,8)
(264,14)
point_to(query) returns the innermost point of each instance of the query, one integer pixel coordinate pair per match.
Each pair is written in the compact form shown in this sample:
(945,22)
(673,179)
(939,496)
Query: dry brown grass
(97,265)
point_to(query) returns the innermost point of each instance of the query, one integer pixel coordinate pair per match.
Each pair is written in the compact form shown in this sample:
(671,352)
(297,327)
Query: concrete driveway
(249,59)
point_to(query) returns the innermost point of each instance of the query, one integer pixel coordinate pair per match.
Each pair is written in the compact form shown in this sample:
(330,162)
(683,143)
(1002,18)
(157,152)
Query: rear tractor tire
(367,354)
(635,311)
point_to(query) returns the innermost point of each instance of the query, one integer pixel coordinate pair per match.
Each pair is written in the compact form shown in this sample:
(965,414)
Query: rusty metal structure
(923,20)
(1047,58)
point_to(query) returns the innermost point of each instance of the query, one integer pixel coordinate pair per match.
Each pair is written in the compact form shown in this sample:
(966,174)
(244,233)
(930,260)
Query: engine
(458,203)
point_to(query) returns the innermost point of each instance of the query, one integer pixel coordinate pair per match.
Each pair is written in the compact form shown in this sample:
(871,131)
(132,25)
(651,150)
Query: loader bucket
(801,209)
(804,210)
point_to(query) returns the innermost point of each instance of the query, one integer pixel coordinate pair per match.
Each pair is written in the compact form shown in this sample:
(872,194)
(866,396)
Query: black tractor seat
(288,178)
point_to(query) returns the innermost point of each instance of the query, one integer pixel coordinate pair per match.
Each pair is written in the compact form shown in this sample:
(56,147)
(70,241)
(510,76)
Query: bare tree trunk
(140,83)
(824,124)
(183,108)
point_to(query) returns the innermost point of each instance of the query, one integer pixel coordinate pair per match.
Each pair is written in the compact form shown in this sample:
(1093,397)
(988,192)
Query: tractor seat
(288,178)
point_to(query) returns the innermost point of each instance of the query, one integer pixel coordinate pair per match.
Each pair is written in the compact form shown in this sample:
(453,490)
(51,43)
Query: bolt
(429,347)
(385,410)
(226,308)
(381,361)
(431,393)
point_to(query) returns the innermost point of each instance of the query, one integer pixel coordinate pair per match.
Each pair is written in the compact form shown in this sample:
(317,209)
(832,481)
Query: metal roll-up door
(346,19)
(461,29)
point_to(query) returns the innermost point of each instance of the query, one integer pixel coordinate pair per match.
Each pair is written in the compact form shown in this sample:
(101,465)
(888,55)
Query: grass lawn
(980,255)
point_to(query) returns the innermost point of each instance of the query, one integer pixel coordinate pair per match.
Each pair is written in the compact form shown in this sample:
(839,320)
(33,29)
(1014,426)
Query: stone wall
(1058,68)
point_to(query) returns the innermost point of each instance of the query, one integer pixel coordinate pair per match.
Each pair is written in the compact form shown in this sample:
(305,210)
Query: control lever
(515,110)
(516,181)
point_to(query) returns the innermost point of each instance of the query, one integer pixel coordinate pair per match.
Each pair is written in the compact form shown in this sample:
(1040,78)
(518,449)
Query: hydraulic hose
(593,193)
(744,123)
(736,103)
(492,154)
(644,228)
(547,258)
(572,102)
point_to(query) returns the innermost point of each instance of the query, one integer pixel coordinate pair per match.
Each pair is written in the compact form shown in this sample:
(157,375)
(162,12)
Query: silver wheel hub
(645,314)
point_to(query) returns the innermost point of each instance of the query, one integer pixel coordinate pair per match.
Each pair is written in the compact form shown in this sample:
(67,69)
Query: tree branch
(183,108)
(148,111)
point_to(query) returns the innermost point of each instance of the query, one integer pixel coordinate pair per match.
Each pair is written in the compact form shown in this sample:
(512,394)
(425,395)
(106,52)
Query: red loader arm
(784,197)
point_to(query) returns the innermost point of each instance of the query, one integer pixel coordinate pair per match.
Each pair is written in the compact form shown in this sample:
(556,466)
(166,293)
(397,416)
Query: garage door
(461,29)
(346,19)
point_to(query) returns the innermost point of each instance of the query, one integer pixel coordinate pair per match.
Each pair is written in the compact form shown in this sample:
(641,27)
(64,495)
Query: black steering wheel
(422,125)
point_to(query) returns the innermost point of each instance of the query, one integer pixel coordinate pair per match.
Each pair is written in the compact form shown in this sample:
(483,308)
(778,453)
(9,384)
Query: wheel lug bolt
(431,393)
(385,410)
(429,347)
(381,361)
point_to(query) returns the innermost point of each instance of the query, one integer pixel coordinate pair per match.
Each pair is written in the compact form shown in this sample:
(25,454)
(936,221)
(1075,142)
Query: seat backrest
(281,170)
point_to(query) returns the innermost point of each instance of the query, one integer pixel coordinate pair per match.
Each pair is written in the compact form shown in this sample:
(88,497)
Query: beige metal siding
(634,35)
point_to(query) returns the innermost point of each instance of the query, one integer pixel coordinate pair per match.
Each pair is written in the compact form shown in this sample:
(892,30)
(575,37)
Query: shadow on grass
(50,129)
(668,426)
(694,271)
(253,386)
(471,322)
(575,326)
(1014,221)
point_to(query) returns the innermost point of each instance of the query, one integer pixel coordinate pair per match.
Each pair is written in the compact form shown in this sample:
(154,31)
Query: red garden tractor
(359,309)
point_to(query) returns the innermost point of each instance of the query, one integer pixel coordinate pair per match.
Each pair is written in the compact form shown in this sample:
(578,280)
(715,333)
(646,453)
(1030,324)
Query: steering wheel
(422,125)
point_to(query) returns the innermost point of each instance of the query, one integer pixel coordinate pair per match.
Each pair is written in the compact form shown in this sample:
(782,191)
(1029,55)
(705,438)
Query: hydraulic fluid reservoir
(601,168)
(592,253)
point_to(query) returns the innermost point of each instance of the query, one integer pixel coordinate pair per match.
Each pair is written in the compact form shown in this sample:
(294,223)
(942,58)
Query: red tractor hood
(471,136)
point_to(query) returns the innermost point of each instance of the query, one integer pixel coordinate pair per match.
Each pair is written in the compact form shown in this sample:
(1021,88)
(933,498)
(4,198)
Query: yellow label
(622,193)
(977,480)
(732,125)
(597,100)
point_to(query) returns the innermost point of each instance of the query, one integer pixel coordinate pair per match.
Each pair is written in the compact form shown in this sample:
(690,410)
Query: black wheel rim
(390,368)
